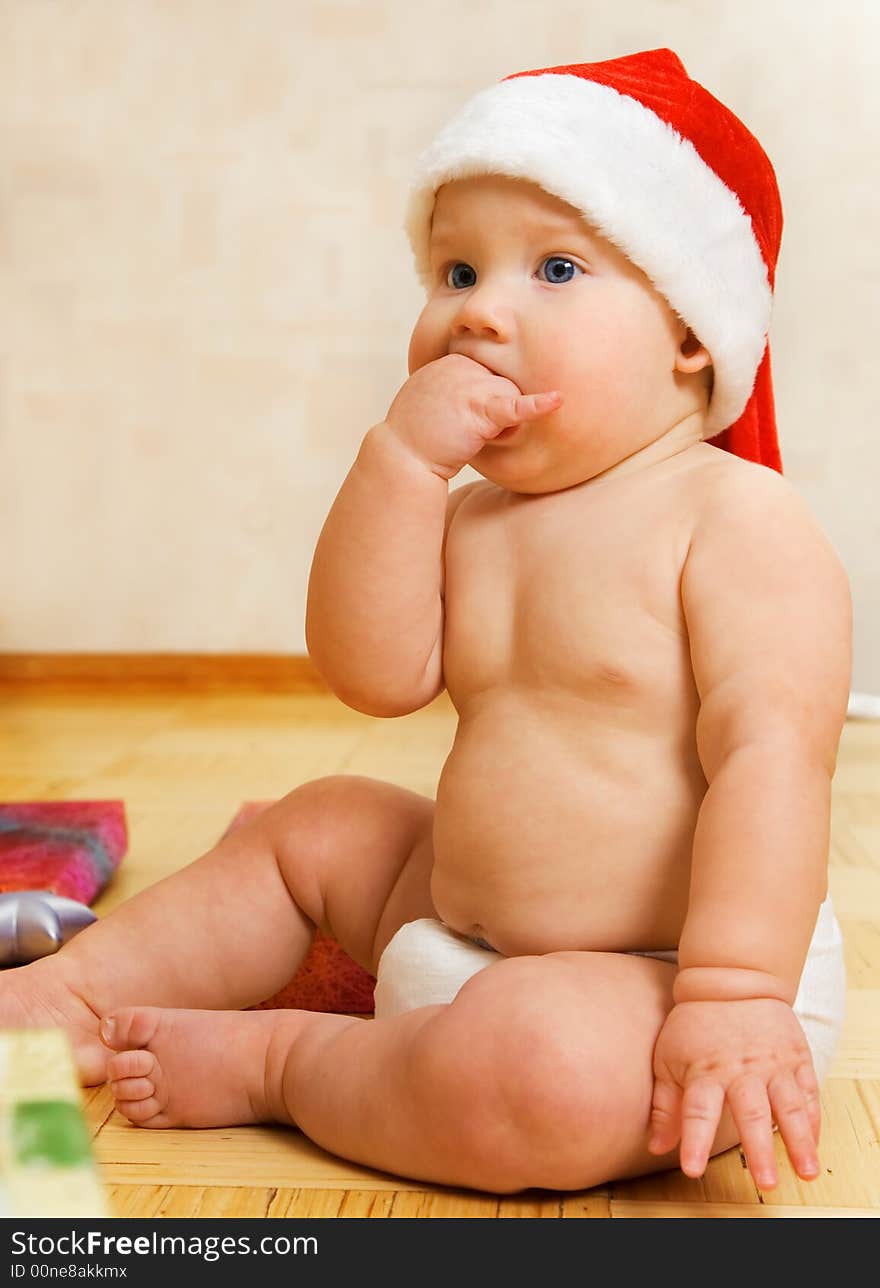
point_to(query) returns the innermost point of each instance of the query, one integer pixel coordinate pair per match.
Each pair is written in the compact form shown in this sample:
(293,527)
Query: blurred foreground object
(46,1163)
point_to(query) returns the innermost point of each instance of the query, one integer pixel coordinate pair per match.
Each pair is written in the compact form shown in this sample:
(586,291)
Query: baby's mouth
(483,363)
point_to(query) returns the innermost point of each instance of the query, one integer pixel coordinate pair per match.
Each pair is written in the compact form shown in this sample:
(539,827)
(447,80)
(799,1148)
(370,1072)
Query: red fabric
(327,979)
(71,848)
(657,79)
(753,436)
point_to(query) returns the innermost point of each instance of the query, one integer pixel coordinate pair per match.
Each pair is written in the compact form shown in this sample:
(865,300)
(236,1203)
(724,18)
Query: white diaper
(427,963)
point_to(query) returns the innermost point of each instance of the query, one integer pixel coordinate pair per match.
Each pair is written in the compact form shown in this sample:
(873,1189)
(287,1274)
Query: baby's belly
(557,829)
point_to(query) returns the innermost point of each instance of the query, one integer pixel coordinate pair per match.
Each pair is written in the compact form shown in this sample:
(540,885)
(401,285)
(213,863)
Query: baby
(607,947)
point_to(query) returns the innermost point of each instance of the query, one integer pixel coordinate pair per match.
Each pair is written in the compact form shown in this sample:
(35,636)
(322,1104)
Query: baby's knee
(301,831)
(318,798)
(518,1077)
(538,1028)
(306,822)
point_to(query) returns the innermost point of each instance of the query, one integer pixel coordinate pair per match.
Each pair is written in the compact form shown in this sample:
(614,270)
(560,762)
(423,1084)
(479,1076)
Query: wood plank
(240,1156)
(852,806)
(98,1106)
(856,893)
(531,1206)
(849,850)
(306,1203)
(592,1204)
(137,1200)
(70,737)
(726,1180)
(233,1202)
(861,941)
(858,1054)
(366,1203)
(448,1203)
(625,1208)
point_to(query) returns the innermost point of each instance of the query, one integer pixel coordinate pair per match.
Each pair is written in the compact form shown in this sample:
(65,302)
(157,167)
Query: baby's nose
(484,314)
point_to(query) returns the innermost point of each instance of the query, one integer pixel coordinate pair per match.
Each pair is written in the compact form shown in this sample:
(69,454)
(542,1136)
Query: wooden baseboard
(269,671)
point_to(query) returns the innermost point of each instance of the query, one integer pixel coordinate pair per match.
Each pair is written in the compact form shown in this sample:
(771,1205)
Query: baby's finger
(665,1118)
(505,410)
(700,1113)
(750,1107)
(790,1114)
(805,1076)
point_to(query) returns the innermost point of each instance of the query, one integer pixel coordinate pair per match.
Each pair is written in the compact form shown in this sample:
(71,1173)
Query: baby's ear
(692,356)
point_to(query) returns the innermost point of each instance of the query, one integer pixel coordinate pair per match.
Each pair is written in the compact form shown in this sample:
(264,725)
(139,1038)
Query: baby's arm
(374,619)
(768,612)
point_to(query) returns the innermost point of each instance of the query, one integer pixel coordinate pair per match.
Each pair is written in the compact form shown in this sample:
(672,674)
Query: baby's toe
(130,1026)
(143,1113)
(125,1089)
(130,1064)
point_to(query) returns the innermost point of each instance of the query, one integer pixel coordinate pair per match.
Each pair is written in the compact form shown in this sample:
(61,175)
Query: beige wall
(207,292)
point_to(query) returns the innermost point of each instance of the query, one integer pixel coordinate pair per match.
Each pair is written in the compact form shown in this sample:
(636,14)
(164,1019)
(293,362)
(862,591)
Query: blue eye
(560,266)
(458,284)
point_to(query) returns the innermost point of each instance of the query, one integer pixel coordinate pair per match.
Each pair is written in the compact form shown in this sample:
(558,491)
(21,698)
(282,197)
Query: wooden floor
(183,762)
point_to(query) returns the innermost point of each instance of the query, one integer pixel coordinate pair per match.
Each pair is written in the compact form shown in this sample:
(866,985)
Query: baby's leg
(231,928)
(538,1074)
(184,1068)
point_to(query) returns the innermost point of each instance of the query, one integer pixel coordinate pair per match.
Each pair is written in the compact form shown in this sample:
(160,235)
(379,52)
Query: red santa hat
(666,172)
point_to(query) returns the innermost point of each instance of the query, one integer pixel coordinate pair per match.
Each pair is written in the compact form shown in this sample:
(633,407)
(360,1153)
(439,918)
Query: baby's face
(523,285)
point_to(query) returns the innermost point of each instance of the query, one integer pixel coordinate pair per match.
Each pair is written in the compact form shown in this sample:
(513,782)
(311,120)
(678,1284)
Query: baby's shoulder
(755,520)
(742,496)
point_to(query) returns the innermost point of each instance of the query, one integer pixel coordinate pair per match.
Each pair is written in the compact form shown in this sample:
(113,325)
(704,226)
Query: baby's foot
(177,1068)
(38,996)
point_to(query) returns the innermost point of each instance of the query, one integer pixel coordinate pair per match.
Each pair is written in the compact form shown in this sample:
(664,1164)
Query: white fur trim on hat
(644,187)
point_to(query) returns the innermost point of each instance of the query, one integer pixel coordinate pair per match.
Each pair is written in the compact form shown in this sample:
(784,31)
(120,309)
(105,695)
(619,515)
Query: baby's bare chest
(568,592)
